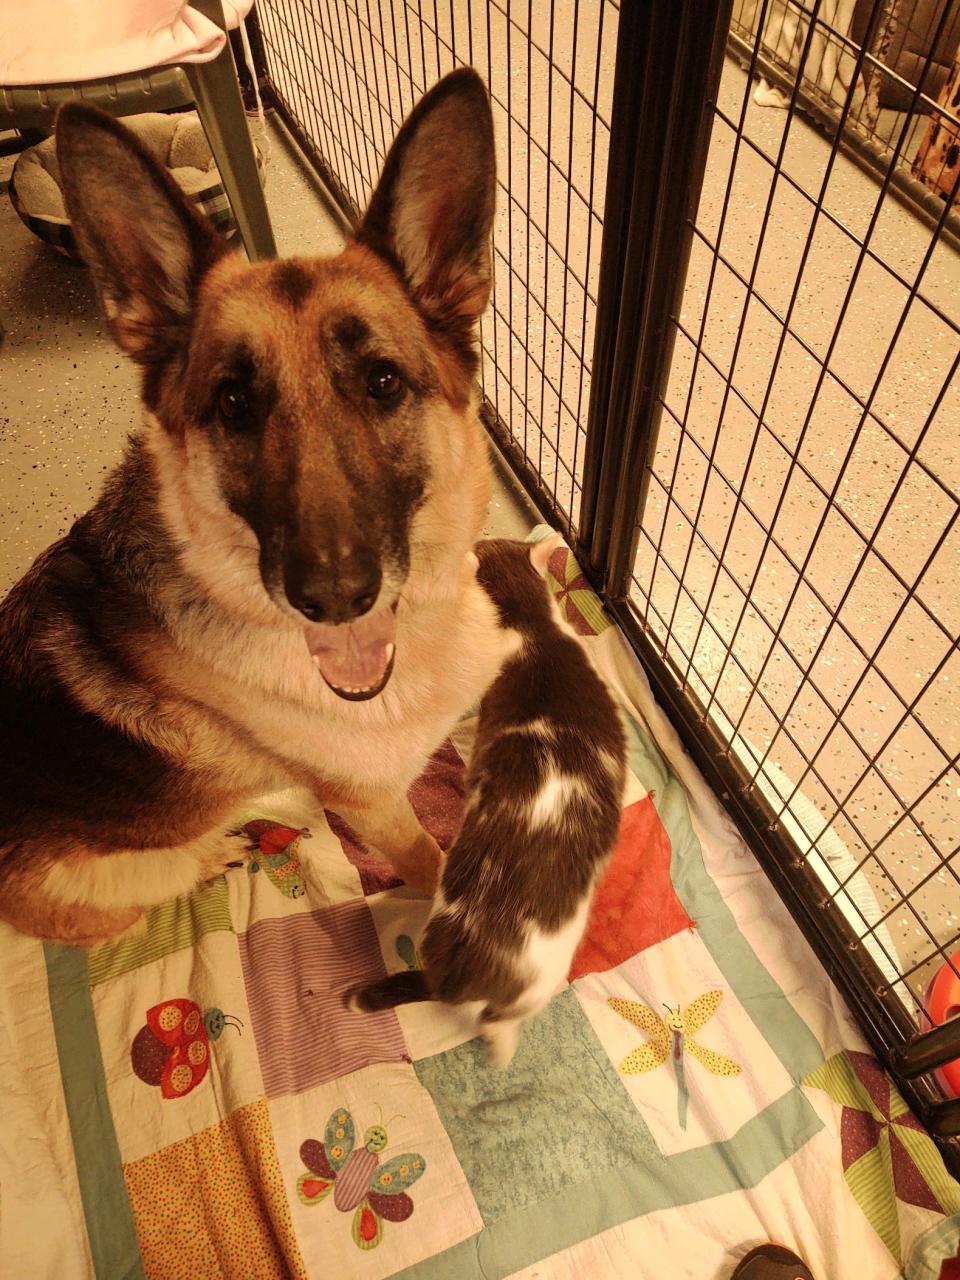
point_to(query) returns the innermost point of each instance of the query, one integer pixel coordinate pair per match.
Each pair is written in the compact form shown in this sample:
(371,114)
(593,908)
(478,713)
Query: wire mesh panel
(767,494)
(875,70)
(347,74)
(799,546)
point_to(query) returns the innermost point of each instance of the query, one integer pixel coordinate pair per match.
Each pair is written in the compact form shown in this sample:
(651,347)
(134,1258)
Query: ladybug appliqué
(275,851)
(173,1049)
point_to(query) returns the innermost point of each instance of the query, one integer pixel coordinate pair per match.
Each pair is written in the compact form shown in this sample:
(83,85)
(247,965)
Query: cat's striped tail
(405,987)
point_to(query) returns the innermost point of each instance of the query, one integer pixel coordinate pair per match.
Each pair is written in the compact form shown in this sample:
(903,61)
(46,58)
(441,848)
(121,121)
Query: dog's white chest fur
(447,655)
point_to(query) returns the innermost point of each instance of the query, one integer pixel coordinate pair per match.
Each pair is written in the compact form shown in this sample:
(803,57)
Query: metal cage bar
(657,125)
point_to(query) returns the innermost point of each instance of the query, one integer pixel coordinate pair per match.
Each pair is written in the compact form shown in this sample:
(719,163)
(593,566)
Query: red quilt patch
(636,904)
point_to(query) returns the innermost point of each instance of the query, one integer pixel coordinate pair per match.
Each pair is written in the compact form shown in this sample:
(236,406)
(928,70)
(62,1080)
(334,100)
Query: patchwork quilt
(197,1103)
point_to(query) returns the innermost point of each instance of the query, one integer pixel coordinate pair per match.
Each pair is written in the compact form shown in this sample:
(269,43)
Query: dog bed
(196,1100)
(178,141)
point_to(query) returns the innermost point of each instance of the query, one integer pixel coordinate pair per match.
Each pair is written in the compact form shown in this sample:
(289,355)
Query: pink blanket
(58,41)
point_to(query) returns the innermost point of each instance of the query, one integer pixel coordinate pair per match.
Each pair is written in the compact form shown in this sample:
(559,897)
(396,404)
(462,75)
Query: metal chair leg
(220,107)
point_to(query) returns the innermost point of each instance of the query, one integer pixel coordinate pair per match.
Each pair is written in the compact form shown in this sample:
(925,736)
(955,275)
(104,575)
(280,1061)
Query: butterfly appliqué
(375,1192)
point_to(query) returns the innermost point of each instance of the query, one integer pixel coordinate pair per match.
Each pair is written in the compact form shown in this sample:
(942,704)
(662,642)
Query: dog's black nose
(338,594)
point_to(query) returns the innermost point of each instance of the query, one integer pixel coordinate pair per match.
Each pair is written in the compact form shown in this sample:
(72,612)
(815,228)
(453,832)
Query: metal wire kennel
(721,354)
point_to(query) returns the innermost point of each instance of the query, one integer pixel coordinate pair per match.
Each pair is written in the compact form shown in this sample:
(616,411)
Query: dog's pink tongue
(355,655)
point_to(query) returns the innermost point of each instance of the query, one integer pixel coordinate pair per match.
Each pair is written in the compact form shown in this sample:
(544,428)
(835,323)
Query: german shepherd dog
(274,587)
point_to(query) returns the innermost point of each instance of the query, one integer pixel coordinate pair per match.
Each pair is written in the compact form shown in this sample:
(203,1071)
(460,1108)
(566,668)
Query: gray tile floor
(68,398)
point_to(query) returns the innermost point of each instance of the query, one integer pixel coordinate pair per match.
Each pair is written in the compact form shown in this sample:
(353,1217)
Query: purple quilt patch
(437,799)
(295,970)
(376,874)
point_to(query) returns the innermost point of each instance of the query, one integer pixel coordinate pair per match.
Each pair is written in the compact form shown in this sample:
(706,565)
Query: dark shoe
(771,1262)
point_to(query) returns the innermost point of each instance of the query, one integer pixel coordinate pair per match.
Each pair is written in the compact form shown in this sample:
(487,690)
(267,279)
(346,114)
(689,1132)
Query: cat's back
(546,779)
(550,756)
(551,695)
(549,712)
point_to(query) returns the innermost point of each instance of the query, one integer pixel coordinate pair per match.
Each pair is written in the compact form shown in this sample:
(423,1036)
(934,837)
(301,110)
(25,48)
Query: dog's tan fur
(155,643)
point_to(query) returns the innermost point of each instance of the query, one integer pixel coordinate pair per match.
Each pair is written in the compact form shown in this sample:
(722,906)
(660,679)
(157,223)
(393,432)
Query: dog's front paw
(421,865)
(224,851)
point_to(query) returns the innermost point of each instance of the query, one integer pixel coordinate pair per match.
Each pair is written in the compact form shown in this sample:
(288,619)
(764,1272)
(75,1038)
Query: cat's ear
(540,552)
(469,566)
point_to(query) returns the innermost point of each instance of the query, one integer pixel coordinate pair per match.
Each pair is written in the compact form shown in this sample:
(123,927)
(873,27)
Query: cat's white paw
(501,1038)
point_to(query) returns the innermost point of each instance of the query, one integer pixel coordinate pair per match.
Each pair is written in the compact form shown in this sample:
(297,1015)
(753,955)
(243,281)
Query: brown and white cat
(542,813)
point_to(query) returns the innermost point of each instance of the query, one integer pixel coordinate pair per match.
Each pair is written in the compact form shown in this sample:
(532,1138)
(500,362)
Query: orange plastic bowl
(943,1003)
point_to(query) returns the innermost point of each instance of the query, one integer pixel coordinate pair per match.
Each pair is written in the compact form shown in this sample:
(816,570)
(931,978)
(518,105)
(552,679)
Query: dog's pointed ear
(432,211)
(145,244)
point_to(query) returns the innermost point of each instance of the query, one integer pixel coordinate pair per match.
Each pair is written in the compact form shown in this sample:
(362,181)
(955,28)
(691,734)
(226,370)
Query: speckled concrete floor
(68,398)
(827,517)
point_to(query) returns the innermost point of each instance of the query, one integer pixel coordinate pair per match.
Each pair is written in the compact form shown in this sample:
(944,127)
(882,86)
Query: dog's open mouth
(355,658)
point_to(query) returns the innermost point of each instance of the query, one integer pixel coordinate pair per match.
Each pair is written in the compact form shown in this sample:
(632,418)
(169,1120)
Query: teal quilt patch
(556,1117)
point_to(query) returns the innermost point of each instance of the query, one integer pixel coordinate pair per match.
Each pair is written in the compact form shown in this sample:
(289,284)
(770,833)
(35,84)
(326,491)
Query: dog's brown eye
(384,381)
(233,402)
